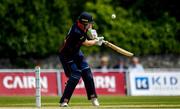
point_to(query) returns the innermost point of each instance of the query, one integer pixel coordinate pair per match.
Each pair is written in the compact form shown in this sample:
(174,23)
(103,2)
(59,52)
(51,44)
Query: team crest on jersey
(82,37)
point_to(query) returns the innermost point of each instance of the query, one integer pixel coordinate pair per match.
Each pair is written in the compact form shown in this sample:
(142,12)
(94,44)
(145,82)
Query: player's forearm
(90,42)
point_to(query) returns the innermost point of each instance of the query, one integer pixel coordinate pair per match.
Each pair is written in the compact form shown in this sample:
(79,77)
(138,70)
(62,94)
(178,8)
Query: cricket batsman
(73,60)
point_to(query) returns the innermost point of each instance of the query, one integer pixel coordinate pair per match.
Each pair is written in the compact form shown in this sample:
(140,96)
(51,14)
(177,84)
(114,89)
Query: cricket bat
(118,49)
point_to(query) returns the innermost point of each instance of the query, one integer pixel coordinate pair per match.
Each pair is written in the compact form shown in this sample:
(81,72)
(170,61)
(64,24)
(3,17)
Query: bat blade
(118,49)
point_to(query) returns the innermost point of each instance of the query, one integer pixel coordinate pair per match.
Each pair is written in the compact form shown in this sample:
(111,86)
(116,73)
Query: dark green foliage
(32,28)
(36,28)
(134,32)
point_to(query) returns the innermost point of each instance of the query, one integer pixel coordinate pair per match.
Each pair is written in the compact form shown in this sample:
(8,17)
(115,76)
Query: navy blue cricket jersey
(74,41)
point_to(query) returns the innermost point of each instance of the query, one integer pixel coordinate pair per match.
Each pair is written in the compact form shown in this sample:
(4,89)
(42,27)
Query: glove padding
(92,34)
(99,40)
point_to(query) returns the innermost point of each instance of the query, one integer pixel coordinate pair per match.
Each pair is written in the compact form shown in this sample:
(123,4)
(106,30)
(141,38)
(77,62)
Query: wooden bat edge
(118,49)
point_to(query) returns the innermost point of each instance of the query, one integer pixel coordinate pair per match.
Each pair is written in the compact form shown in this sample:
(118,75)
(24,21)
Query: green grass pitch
(80,102)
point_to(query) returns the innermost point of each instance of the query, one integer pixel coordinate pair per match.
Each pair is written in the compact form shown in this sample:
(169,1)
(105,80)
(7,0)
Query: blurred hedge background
(34,29)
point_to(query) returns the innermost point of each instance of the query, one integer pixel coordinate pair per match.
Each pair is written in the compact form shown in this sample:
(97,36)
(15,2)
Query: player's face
(89,25)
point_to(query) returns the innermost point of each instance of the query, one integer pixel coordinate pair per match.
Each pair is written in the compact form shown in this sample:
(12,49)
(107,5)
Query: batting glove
(92,34)
(99,41)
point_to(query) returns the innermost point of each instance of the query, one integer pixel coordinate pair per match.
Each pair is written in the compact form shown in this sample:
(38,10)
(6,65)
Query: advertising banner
(23,83)
(156,83)
(111,83)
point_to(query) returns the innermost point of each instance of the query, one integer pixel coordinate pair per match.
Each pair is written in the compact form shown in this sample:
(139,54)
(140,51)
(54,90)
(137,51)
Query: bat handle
(105,42)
